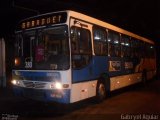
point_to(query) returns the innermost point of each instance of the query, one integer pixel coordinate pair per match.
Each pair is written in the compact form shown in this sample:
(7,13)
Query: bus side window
(152,51)
(132,47)
(113,44)
(142,49)
(74,40)
(18,45)
(149,48)
(125,46)
(135,49)
(100,41)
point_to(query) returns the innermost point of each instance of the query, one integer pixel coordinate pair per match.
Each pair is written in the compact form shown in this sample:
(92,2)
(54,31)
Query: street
(135,102)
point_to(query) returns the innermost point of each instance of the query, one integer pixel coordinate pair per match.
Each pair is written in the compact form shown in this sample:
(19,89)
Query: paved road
(135,103)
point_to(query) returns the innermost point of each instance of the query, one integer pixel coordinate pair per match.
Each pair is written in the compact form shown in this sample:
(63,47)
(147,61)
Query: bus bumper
(51,95)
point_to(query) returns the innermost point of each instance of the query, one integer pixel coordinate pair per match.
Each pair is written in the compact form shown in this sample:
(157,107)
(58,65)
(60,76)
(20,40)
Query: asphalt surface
(133,103)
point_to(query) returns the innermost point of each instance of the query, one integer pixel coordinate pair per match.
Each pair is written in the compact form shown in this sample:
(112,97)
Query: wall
(2,64)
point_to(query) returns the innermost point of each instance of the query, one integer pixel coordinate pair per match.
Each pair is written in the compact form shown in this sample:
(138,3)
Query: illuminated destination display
(49,19)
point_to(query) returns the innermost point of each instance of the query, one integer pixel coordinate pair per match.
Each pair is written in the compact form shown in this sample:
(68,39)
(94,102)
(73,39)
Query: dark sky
(138,16)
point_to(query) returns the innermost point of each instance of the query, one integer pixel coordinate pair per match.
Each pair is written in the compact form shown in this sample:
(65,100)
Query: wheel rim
(101,91)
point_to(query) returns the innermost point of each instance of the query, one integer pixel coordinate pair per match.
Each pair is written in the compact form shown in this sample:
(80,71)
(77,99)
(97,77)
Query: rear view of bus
(42,58)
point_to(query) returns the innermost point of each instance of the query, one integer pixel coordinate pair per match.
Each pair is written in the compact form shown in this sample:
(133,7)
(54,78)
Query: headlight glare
(58,85)
(14,82)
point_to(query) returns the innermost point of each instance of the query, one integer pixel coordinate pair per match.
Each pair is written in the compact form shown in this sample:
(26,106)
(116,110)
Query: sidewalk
(9,102)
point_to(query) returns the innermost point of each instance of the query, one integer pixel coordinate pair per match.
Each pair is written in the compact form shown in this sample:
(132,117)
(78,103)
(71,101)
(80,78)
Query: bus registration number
(28,64)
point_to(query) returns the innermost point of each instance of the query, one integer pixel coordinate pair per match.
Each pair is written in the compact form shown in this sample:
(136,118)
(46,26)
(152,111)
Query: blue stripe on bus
(37,75)
(30,73)
(97,66)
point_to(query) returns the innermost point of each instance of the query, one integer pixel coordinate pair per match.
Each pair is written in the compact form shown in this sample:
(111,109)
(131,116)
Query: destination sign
(48,19)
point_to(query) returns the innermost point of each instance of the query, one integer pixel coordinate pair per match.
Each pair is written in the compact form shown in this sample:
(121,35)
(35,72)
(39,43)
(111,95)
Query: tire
(100,92)
(144,77)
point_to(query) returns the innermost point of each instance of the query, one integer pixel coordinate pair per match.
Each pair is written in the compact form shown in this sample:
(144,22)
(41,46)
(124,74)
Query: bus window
(125,46)
(136,48)
(28,45)
(141,49)
(100,41)
(52,49)
(39,48)
(150,50)
(18,45)
(113,44)
(81,47)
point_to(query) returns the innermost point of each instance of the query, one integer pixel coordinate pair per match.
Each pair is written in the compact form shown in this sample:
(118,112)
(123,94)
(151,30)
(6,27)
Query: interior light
(79,33)
(109,40)
(97,38)
(122,43)
(127,44)
(116,42)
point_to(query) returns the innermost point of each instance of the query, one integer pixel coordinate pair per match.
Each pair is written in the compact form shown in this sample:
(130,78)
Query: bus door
(81,50)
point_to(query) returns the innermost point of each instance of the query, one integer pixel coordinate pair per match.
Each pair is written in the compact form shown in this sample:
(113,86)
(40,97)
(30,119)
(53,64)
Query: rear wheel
(144,77)
(100,92)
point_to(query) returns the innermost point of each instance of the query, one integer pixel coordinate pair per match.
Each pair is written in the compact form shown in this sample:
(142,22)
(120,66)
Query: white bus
(67,57)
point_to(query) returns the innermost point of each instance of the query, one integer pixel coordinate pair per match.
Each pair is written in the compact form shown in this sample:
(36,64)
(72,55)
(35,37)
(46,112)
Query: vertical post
(158,59)
(2,64)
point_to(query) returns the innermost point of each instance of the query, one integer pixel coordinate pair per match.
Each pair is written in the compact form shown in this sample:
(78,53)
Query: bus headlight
(15,82)
(58,85)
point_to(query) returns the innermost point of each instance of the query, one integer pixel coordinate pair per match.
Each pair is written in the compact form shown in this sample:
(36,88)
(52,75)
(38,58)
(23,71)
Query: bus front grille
(31,84)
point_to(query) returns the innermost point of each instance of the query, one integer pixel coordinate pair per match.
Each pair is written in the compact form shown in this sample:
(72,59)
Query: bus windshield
(43,49)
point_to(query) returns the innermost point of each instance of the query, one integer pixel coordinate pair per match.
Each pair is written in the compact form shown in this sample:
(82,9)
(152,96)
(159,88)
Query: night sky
(139,16)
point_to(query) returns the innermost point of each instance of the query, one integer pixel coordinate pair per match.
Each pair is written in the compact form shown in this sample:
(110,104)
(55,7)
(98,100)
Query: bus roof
(95,21)
(106,25)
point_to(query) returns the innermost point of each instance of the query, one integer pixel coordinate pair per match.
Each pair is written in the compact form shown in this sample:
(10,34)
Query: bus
(67,57)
